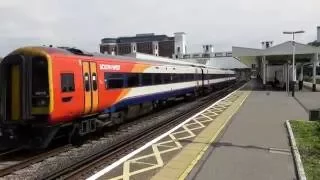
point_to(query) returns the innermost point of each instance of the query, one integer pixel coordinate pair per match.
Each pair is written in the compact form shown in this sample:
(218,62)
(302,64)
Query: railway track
(10,166)
(8,152)
(87,166)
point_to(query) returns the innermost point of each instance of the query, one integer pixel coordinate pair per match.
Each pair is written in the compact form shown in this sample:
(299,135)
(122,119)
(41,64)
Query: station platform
(243,136)
(254,145)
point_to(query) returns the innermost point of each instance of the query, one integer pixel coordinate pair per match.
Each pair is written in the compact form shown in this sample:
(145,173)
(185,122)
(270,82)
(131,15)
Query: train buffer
(241,137)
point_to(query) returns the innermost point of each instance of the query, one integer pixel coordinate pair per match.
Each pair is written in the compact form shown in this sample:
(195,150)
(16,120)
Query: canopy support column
(301,78)
(314,72)
(264,71)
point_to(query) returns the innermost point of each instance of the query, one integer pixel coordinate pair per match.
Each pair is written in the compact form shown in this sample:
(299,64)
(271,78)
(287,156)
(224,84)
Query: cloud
(223,23)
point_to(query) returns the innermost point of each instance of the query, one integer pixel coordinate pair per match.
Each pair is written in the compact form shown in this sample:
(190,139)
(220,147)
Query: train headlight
(40,102)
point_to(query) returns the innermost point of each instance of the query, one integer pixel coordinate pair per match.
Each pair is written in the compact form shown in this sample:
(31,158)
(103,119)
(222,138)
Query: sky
(223,23)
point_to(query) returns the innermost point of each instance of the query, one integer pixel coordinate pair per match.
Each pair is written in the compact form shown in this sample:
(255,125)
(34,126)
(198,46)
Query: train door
(91,99)
(15,104)
(197,78)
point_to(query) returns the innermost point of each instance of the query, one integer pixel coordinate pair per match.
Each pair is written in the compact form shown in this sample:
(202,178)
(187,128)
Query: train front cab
(25,96)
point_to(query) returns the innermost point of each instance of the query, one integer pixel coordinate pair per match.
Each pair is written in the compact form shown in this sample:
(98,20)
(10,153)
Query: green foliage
(307,135)
(314,43)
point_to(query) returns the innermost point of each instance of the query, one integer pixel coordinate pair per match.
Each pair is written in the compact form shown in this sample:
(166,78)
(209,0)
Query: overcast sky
(224,23)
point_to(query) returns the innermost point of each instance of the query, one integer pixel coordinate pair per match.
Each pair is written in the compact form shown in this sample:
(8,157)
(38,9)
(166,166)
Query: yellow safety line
(194,162)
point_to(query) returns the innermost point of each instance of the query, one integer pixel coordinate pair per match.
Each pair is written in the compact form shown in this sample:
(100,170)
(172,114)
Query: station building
(273,64)
(157,45)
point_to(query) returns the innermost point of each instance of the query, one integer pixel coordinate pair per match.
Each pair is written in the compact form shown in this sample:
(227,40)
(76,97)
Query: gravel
(76,154)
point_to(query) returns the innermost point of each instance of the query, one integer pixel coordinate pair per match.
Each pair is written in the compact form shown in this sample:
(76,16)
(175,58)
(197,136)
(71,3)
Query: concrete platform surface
(255,145)
(309,100)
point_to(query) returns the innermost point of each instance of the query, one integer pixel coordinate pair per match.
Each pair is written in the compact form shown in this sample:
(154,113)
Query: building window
(67,82)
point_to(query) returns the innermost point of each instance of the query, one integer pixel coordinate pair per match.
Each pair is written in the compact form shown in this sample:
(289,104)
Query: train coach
(47,92)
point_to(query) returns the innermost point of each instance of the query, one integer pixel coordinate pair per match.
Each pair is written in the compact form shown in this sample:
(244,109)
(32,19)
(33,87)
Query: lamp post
(293,58)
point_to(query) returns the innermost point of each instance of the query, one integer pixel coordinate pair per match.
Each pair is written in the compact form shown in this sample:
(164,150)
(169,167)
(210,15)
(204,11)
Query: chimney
(208,48)
(266,44)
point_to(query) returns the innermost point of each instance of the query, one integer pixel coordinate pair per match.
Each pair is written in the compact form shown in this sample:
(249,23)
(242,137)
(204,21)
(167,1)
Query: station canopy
(281,53)
(226,63)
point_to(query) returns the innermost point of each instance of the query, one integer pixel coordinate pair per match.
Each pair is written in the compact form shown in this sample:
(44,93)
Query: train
(47,92)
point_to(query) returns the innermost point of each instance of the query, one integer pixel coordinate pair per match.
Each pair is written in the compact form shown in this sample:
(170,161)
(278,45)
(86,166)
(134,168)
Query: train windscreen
(40,82)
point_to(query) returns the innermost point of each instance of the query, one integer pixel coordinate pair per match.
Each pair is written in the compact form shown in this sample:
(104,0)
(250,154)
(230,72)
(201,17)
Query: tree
(314,43)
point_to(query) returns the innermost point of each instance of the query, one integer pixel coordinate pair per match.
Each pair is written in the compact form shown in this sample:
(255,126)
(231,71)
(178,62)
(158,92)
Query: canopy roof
(226,63)
(280,53)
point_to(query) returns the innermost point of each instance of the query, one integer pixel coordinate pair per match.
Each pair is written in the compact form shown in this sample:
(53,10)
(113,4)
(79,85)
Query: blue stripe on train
(148,98)
(152,97)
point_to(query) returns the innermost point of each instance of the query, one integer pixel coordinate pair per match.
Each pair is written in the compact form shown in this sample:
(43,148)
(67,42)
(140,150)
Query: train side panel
(68,88)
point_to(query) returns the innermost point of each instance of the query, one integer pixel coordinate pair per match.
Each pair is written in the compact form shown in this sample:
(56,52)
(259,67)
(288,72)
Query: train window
(190,77)
(175,78)
(94,81)
(86,82)
(114,80)
(133,79)
(166,78)
(199,77)
(146,79)
(181,77)
(67,82)
(40,83)
(157,79)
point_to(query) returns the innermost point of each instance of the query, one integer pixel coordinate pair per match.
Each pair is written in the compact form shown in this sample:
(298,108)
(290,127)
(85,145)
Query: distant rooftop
(138,38)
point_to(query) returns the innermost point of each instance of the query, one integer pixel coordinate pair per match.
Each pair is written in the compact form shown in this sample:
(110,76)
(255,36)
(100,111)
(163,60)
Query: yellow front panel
(15,89)
(87,94)
(95,100)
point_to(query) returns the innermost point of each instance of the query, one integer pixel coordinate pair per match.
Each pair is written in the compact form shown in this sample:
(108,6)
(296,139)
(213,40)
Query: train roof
(137,57)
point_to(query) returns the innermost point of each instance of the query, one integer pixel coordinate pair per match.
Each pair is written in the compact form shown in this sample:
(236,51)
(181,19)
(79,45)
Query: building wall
(144,47)
(108,48)
(166,48)
(123,48)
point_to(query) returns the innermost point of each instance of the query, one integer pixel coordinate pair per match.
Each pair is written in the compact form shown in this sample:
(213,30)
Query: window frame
(63,80)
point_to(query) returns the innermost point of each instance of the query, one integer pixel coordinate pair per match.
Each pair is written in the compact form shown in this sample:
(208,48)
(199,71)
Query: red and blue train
(47,92)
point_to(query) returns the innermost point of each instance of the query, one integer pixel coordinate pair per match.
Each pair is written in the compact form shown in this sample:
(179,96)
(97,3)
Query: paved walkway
(255,145)
(309,100)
